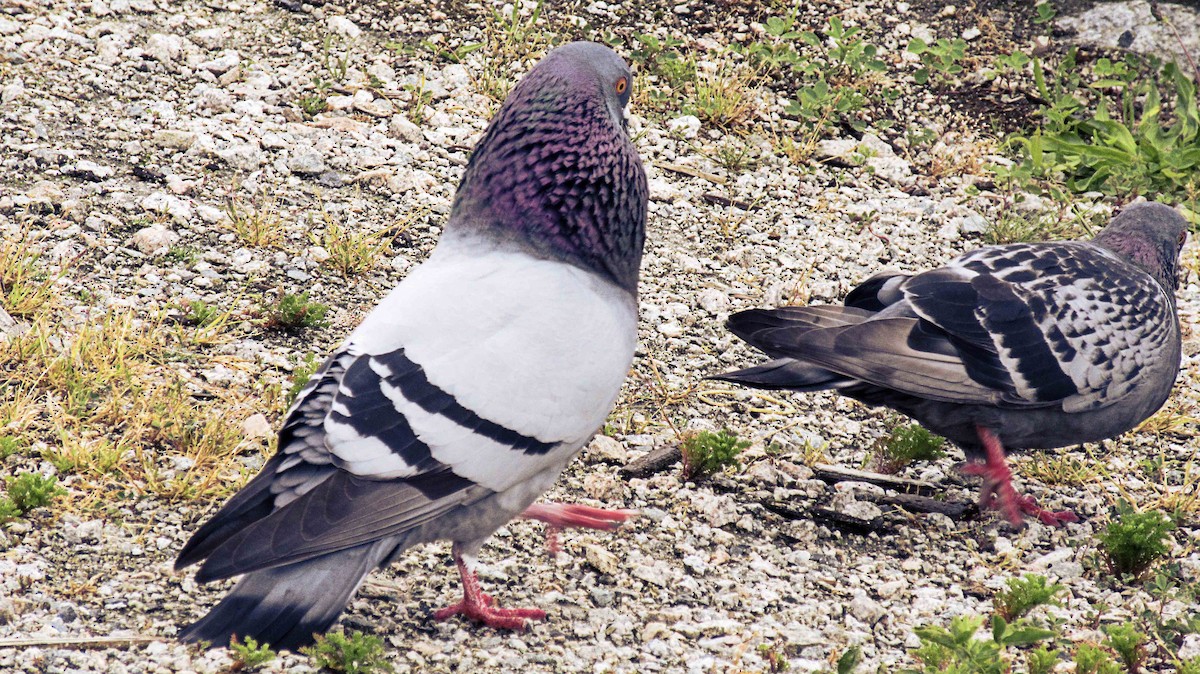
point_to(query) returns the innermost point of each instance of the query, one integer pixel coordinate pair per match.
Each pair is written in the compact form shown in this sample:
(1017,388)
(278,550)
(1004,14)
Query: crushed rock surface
(127,124)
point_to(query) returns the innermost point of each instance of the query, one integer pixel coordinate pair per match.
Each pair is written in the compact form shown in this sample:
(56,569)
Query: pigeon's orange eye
(622,85)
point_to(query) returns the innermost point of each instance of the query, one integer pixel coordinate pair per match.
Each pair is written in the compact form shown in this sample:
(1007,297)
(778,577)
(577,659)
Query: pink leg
(998,492)
(477,606)
(559,516)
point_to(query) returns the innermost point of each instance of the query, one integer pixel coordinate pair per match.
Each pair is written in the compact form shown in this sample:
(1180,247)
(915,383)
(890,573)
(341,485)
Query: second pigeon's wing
(1067,323)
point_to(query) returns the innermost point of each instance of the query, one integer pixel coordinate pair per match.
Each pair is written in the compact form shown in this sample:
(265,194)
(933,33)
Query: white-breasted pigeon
(1019,346)
(466,391)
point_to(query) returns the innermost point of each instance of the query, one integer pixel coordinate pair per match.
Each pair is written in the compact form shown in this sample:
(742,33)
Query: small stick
(80,642)
(689,171)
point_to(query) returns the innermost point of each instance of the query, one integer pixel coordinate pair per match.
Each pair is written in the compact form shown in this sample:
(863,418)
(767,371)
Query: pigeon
(1019,346)
(462,396)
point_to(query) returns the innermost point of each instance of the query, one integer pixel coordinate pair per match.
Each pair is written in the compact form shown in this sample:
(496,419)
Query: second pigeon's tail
(776,332)
(284,606)
(784,373)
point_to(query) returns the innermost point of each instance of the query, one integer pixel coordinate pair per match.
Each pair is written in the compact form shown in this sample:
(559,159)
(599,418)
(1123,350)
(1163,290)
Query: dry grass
(108,400)
(725,96)
(255,224)
(25,286)
(1057,468)
(352,253)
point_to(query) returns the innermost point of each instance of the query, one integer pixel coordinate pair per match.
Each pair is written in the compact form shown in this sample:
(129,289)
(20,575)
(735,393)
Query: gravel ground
(128,124)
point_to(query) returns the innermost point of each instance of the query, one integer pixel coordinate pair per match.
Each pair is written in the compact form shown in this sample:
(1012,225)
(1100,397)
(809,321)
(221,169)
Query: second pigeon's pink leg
(559,516)
(477,606)
(998,492)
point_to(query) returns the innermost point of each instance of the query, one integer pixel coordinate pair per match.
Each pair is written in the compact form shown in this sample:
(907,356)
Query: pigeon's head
(556,174)
(1151,235)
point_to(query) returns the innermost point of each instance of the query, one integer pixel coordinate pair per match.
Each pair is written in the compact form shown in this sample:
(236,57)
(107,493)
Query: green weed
(32,490)
(301,374)
(356,653)
(1134,541)
(705,453)
(939,59)
(1025,594)
(9,445)
(248,654)
(904,445)
(293,312)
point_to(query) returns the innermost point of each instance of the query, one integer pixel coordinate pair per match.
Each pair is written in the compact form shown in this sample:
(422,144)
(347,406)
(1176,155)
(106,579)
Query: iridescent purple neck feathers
(555,174)
(1150,235)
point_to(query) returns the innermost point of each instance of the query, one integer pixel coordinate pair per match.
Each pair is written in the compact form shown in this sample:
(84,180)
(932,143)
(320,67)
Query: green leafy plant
(301,374)
(1092,659)
(9,445)
(940,58)
(33,490)
(248,654)
(904,445)
(652,53)
(705,453)
(1025,594)
(1133,542)
(1042,660)
(1045,12)
(849,53)
(778,50)
(1125,142)
(293,312)
(849,660)
(355,653)
(27,491)
(776,661)
(8,510)
(199,312)
(958,650)
(1189,666)
(1129,645)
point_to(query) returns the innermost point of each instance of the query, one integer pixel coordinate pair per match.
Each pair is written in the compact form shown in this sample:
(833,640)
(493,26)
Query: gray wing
(313,498)
(1026,325)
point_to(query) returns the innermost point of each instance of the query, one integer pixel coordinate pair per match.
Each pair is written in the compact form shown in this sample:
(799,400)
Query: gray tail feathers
(284,606)
(784,373)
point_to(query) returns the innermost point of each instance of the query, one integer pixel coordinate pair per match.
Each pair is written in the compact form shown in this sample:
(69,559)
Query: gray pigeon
(1024,346)
(464,394)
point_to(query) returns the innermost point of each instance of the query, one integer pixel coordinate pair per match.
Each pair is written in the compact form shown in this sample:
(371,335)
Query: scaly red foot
(998,492)
(477,606)
(559,516)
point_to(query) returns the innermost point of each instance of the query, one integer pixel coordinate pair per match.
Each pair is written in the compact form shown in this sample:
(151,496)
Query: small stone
(713,301)
(153,240)
(209,38)
(164,48)
(401,127)
(173,139)
(256,426)
(607,449)
(228,60)
(343,26)
(866,609)
(161,202)
(971,33)
(600,559)
(306,162)
(687,126)
(1190,648)
(652,630)
(90,170)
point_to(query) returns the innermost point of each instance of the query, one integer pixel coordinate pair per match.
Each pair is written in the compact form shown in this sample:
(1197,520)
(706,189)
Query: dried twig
(79,642)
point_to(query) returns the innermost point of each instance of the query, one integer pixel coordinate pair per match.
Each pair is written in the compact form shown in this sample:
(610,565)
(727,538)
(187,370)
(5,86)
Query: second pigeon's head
(556,174)
(1151,235)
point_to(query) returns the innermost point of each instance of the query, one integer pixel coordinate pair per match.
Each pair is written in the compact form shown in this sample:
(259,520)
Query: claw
(998,492)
